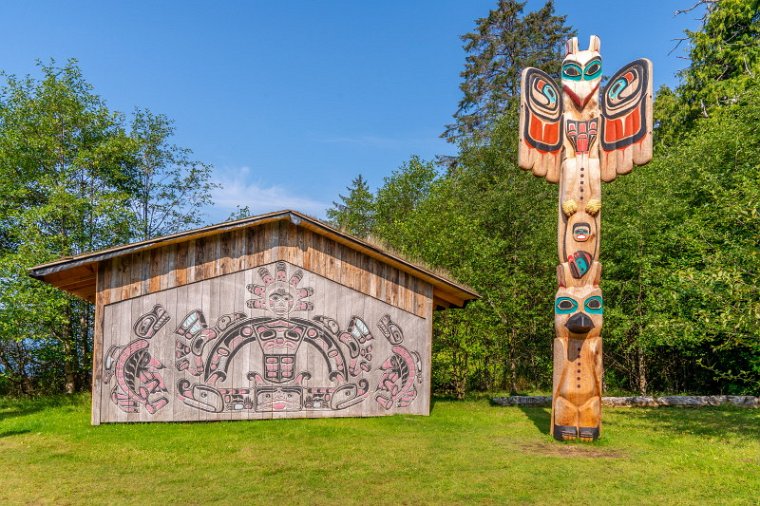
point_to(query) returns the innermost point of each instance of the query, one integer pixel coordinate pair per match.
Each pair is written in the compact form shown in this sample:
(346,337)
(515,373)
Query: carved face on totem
(582,71)
(578,312)
(580,243)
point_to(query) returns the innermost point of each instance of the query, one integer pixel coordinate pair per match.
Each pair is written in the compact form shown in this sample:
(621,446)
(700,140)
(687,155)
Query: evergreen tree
(355,212)
(503,43)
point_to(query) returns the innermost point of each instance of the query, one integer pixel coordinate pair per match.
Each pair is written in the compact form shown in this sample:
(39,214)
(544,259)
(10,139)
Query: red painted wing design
(626,138)
(540,148)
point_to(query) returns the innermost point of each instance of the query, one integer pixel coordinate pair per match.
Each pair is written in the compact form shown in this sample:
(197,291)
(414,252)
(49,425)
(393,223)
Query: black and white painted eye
(593,69)
(571,71)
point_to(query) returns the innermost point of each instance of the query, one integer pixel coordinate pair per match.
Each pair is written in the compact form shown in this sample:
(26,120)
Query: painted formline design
(205,353)
(568,137)
(138,381)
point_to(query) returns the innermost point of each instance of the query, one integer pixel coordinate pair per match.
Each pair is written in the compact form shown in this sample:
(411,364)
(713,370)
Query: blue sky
(290,100)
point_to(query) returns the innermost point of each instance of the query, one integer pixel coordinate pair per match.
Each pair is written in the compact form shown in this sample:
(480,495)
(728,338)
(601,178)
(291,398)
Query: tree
(355,213)
(62,153)
(74,180)
(239,213)
(168,190)
(503,43)
(724,62)
(682,307)
(401,195)
(681,237)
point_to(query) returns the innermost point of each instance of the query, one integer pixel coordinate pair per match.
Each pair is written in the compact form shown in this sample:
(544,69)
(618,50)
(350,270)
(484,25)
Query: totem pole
(568,137)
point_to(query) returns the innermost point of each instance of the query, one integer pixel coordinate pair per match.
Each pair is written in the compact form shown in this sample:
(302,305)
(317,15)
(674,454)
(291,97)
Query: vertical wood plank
(224,258)
(102,297)
(199,258)
(154,281)
(180,265)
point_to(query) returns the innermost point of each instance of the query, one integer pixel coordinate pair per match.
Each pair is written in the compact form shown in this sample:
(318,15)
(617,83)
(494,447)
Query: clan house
(273,316)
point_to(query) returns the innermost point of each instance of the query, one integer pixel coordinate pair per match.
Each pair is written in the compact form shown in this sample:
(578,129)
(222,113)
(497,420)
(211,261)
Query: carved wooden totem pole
(568,137)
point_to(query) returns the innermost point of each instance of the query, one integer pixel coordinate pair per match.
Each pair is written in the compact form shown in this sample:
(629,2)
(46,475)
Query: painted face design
(278,399)
(582,71)
(280,299)
(580,243)
(578,312)
(278,293)
(581,232)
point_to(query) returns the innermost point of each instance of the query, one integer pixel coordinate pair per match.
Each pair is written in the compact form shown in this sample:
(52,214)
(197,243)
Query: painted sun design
(278,293)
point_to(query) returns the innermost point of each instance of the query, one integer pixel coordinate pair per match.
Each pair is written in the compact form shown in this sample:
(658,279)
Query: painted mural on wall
(276,353)
(138,382)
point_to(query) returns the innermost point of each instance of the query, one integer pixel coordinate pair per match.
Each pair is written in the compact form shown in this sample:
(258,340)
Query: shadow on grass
(22,410)
(9,433)
(541,417)
(14,407)
(711,422)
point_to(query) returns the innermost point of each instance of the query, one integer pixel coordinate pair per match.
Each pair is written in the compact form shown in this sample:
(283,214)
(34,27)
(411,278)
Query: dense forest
(681,234)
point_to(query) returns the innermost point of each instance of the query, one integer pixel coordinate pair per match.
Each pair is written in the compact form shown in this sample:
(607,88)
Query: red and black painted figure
(571,137)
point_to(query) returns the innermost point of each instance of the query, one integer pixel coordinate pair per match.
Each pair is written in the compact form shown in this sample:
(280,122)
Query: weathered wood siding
(360,331)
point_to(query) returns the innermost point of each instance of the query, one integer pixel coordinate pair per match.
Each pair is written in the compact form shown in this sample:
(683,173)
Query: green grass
(465,452)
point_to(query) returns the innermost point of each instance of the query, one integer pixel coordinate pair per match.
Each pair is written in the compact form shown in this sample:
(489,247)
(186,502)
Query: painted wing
(540,148)
(626,138)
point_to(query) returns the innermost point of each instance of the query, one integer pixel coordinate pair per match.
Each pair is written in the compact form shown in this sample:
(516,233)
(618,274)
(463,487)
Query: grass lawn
(465,452)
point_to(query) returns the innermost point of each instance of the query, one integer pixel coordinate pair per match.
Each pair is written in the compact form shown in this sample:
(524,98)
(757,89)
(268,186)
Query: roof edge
(297,218)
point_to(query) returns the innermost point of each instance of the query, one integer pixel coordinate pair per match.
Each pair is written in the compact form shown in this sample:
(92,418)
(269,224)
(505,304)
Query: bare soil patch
(570,450)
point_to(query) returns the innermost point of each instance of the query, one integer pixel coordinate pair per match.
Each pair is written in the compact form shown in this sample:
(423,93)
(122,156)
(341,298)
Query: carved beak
(583,96)
(579,323)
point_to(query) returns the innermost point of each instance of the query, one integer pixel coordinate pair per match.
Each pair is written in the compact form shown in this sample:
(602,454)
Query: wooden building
(273,316)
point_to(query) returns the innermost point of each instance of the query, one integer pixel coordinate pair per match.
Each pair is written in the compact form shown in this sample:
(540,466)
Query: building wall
(359,331)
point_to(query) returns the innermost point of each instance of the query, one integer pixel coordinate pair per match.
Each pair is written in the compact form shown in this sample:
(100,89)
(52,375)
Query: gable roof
(77,275)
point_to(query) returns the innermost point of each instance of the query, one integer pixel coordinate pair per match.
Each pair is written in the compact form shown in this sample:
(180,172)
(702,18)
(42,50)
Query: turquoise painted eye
(617,87)
(571,71)
(594,305)
(565,305)
(593,70)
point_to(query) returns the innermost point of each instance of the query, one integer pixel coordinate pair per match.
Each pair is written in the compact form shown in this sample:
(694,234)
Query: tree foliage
(680,249)
(168,190)
(502,44)
(355,211)
(74,179)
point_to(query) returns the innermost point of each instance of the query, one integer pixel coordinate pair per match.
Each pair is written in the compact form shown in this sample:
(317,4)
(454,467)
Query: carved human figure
(571,137)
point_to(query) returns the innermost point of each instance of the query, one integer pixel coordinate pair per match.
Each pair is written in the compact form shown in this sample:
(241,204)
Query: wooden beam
(53,272)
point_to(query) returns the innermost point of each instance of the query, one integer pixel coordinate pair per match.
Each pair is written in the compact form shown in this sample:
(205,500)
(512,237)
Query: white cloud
(260,198)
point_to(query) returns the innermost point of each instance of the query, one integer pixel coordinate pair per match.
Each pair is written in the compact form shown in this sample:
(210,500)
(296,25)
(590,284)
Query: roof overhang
(78,275)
